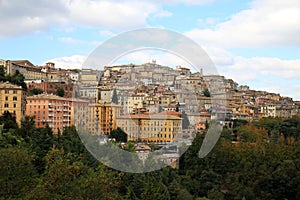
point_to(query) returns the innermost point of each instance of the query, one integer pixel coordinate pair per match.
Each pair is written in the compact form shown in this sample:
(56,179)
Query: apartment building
(102,118)
(160,127)
(12,99)
(50,109)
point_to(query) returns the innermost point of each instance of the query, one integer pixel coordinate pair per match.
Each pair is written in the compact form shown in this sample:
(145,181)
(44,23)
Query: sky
(254,42)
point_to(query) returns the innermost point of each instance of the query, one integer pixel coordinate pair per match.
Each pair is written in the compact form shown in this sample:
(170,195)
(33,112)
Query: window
(15,91)
(15,105)
(6,105)
(6,98)
(15,98)
(6,91)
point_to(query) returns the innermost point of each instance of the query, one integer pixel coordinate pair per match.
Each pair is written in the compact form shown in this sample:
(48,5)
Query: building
(160,127)
(79,112)
(12,99)
(51,87)
(102,118)
(88,83)
(50,109)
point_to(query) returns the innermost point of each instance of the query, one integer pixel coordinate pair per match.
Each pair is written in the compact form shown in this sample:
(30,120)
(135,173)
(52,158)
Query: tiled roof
(4,85)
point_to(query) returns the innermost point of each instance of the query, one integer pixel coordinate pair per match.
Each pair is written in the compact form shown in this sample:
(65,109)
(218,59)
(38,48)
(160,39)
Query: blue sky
(253,42)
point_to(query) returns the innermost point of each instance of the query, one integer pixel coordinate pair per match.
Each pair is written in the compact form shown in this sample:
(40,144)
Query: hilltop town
(149,102)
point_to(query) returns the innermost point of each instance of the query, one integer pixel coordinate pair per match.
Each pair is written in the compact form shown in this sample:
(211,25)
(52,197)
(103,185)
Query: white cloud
(106,33)
(260,73)
(266,23)
(69,62)
(22,17)
(110,14)
(188,2)
(163,13)
(71,40)
(145,56)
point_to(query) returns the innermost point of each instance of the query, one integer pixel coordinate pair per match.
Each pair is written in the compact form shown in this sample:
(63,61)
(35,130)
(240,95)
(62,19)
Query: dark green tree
(2,73)
(206,92)
(17,174)
(60,92)
(17,79)
(119,135)
(35,91)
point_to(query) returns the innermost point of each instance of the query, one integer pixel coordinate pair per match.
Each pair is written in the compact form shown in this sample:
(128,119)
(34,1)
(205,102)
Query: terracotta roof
(47,96)
(162,115)
(142,147)
(170,112)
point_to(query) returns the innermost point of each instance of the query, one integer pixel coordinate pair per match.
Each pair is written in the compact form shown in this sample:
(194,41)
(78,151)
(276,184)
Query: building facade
(50,109)
(102,118)
(12,99)
(161,127)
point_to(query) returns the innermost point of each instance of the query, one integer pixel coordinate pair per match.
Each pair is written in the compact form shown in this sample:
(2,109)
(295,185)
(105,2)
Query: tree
(17,174)
(17,79)
(119,135)
(2,73)
(206,92)
(60,92)
(35,91)
(114,98)
(9,121)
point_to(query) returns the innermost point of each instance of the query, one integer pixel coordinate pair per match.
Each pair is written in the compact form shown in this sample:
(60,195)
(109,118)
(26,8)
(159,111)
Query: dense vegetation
(17,78)
(262,163)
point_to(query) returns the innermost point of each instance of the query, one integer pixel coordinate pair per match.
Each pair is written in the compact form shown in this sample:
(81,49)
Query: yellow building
(160,127)
(12,99)
(102,118)
(135,102)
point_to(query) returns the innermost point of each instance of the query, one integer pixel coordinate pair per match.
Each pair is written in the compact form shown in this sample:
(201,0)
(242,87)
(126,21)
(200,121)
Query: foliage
(60,92)
(119,135)
(35,91)
(17,78)
(206,92)
(263,163)
(17,174)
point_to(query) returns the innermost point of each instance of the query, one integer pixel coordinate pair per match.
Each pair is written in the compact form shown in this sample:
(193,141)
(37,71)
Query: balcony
(50,109)
(59,109)
(65,104)
(49,120)
(66,120)
(51,115)
(66,115)
(66,110)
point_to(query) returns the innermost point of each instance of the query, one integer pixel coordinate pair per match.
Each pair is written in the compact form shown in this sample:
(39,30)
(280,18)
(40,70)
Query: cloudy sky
(253,42)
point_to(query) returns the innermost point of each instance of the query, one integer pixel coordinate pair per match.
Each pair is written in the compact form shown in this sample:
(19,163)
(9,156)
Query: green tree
(35,91)
(206,92)
(60,92)
(17,79)
(17,174)
(119,135)
(2,73)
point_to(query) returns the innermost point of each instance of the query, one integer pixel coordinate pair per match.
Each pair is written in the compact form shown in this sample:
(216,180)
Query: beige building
(12,99)
(161,127)
(102,118)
